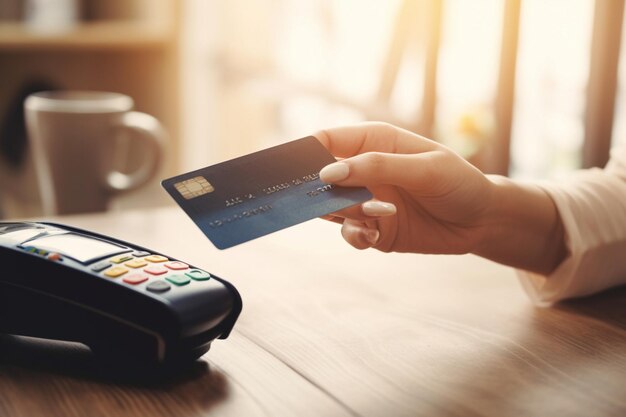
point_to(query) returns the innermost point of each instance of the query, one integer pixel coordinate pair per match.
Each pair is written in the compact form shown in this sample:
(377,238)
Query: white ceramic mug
(74,139)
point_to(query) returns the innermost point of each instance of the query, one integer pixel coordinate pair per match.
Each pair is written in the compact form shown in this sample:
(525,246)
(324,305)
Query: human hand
(427,199)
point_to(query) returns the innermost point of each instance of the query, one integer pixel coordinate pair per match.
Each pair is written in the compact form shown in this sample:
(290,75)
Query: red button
(156,270)
(176,265)
(54,256)
(135,278)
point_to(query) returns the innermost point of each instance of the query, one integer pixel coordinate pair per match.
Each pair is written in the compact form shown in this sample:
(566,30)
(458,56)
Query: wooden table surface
(327,330)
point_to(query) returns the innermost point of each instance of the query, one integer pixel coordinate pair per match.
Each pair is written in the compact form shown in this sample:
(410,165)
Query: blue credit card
(239,200)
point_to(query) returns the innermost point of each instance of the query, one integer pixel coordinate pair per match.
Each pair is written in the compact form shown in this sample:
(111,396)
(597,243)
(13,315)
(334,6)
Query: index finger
(347,141)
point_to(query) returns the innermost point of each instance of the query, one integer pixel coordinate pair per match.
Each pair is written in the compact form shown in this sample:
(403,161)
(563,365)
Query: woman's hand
(437,199)
(427,199)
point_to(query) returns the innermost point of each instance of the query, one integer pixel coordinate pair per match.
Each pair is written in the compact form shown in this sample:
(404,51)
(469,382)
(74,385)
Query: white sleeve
(592,207)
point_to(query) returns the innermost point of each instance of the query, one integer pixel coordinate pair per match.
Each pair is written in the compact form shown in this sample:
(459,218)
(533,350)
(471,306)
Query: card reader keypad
(157,272)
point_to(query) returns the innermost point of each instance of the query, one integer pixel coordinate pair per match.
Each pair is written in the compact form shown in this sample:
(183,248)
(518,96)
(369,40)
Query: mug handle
(152,135)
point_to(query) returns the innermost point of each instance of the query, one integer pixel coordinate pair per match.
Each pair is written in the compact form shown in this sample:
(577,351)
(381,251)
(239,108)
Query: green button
(35,250)
(178,279)
(198,275)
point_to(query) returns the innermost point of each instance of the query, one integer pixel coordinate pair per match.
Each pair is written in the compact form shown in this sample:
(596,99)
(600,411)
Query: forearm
(522,227)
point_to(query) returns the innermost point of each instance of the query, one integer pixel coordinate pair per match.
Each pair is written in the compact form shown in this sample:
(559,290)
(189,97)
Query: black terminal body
(127,303)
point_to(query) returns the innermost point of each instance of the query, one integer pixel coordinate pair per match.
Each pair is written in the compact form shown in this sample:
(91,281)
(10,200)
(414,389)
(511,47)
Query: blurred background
(526,88)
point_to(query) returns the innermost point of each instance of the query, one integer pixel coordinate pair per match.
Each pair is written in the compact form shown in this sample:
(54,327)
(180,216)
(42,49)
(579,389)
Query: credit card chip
(194,187)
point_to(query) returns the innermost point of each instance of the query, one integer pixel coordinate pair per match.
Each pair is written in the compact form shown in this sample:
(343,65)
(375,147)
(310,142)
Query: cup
(75,137)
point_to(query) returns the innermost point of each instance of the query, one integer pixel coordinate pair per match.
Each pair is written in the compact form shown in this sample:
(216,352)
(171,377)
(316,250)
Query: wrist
(493,214)
(523,228)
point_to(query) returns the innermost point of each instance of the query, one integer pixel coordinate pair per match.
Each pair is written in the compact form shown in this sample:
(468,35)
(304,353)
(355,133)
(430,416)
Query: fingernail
(378,208)
(372,236)
(334,172)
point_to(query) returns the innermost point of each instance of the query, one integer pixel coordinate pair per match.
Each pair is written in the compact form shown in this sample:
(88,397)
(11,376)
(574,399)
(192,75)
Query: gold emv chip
(194,187)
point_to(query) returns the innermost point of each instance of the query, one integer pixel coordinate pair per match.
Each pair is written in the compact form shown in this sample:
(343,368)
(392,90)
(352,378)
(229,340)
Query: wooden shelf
(96,35)
(126,46)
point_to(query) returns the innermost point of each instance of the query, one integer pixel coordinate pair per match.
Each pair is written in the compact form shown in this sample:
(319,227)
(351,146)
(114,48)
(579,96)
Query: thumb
(410,171)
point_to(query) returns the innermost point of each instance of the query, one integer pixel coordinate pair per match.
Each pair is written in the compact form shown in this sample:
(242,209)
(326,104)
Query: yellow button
(136,263)
(116,271)
(120,259)
(156,258)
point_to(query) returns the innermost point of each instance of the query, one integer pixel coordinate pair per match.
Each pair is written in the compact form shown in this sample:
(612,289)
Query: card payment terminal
(125,302)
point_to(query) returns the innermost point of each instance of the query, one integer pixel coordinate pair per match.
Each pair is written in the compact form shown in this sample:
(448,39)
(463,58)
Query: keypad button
(156,258)
(156,270)
(135,278)
(158,286)
(178,279)
(176,265)
(116,271)
(198,275)
(136,263)
(36,251)
(55,256)
(140,253)
(121,258)
(101,266)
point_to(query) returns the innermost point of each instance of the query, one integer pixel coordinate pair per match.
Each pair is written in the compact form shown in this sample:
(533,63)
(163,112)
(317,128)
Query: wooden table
(327,330)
